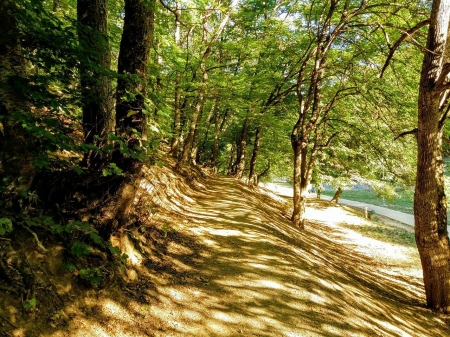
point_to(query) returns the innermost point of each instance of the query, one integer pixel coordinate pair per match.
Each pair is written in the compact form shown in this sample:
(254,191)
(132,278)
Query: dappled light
(226,261)
(253,274)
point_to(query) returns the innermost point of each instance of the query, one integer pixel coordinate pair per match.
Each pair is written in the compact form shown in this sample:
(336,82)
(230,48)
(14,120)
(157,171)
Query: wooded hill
(93,92)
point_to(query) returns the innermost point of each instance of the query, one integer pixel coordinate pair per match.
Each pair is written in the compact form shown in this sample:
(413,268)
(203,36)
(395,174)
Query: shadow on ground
(222,260)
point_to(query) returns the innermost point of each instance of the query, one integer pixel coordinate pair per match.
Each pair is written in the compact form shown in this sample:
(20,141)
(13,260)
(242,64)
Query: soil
(218,258)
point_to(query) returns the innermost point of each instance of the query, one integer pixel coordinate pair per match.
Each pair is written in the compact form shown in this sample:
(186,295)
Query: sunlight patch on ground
(258,265)
(112,309)
(268,284)
(173,247)
(390,327)
(226,317)
(331,215)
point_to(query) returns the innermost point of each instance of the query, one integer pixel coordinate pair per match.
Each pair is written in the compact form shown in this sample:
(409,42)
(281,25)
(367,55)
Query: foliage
(5,226)
(91,275)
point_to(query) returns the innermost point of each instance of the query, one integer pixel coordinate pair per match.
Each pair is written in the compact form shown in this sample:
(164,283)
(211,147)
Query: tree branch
(441,83)
(444,117)
(410,132)
(402,38)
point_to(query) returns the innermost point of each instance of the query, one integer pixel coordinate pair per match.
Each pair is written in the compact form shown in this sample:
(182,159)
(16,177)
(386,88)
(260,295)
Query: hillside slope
(221,259)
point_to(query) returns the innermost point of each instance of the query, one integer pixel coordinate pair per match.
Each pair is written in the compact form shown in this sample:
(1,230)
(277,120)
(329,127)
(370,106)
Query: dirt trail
(231,264)
(258,276)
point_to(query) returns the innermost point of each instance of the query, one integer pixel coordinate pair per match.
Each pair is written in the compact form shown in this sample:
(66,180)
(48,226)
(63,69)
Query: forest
(103,99)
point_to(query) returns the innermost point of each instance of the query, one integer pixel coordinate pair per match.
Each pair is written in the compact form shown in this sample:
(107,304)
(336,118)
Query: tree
(340,35)
(96,91)
(188,153)
(131,105)
(16,144)
(430,208)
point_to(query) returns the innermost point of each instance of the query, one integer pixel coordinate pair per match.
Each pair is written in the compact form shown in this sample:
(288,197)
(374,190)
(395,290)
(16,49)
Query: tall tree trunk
(175,143)
(195,142)
(137,39)
(177,96)
(97,104)
(16,148)
(297,214)
(263,173)
(300,183)
(241,147)
(429,200)
(187,148)
(252,175)
(231,161)
(218,128)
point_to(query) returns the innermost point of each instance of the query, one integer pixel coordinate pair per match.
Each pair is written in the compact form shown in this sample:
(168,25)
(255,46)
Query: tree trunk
(218,127)
(187,148)
(16,148)
(429,199)
(231,161)
(175,143)
(96,98)
(299,188)
(241,147)
(337,195)
(263,173)
(195,141)
(256,143)
(137,39)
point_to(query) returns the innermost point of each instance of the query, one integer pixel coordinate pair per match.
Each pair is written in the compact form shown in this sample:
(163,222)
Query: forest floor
(222,259)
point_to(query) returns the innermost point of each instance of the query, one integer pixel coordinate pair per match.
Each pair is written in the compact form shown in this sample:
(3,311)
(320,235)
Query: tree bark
(263,173)
(16,146)
(97,104)
(137,39)
(131,128)
(429,200)
(187,148)
(218,128)
(300,185)
(241,148)
(252,175)
(175,143)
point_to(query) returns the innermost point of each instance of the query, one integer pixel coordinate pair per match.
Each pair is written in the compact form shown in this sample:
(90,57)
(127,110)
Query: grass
(388,233)
(402,204)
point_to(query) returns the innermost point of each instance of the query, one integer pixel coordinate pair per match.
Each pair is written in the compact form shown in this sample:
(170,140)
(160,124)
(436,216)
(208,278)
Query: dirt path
(258,276)
(226,261)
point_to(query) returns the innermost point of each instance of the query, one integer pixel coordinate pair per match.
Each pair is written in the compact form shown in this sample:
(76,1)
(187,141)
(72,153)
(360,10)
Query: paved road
(407,219)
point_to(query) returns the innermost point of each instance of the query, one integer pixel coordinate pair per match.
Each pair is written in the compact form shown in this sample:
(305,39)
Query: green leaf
(106,172)
(30,304)
(69,266)
(131,113)
(80,249)
(115,250)
(5,226)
